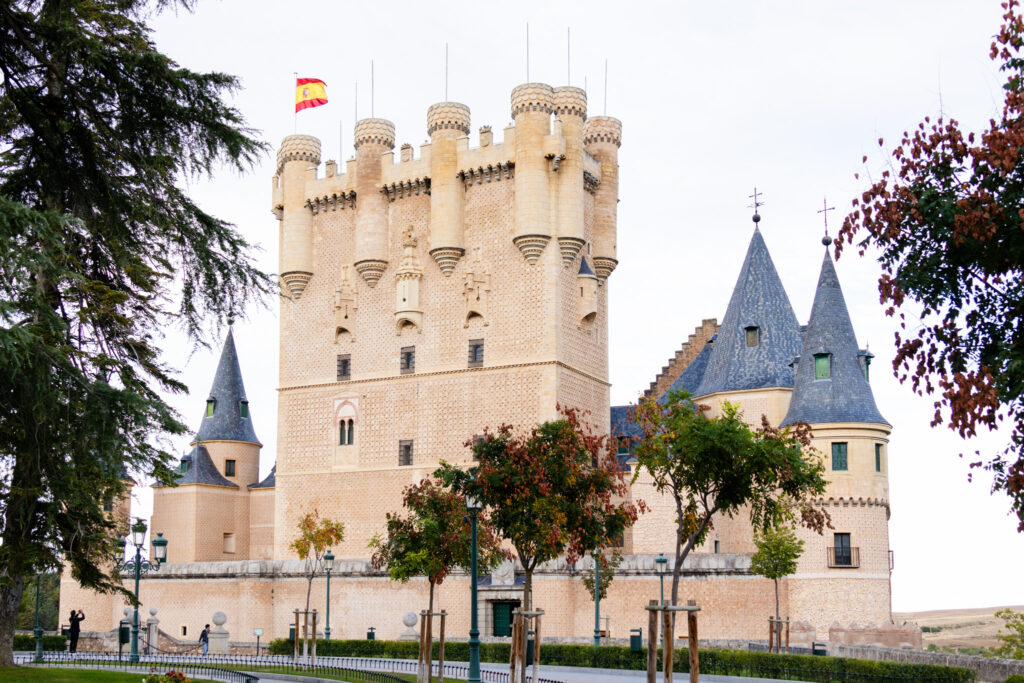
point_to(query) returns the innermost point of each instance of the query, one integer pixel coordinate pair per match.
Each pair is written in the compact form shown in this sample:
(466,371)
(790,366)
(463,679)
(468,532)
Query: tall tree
(434,538)
(558,489)
(711,466)
(778,550)
(100,249)
(948,223)
(316,536)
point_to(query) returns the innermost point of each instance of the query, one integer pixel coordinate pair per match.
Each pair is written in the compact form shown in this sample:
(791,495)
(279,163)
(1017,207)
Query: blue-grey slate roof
(269,482)
(228,393)
(758,300)
(691,377)
(585,267)
(199,469)
(846,395)
(621,426)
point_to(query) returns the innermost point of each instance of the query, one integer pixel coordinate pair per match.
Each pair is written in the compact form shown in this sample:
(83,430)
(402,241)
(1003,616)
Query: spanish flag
(309,92)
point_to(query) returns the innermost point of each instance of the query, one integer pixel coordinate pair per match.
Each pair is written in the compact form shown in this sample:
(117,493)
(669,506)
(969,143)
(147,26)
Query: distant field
(959,627)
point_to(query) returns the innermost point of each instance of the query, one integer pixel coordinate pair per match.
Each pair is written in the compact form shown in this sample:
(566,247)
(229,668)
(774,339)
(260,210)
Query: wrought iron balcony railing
(844,557)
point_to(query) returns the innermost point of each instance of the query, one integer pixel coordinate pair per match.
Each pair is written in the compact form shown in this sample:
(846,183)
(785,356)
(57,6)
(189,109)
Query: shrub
(24,642)
(715,662)
(1015,678)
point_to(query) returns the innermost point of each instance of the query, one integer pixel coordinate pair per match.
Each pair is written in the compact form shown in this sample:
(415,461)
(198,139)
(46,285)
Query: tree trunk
(430,605)
(528,591)
(777,617)
(10,598)
(309,589)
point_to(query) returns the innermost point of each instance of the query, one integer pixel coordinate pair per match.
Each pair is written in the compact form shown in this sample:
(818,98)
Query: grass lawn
(25,674)
(351,678)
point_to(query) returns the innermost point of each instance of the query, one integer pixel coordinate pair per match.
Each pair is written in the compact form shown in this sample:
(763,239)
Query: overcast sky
(715,98)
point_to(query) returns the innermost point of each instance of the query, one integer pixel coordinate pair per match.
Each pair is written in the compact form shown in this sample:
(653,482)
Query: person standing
(204,638)
(76,618)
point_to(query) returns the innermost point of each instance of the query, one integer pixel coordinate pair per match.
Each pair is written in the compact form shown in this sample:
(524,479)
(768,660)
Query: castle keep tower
(430,306)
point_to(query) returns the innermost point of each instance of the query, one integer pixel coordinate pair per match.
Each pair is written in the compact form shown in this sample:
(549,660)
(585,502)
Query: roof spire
(825,208)
(757,203)
(227,416)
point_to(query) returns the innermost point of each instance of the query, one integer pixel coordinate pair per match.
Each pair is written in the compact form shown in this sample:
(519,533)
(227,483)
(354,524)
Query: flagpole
(295,115)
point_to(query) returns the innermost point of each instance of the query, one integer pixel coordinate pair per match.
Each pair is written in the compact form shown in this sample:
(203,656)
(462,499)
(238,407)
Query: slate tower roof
(231,420)
(758,301)
(845,396)
(198,468)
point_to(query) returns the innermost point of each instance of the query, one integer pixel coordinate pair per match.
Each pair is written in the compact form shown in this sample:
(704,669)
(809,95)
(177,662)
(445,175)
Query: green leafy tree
(433,538)
(100,250)
(609,563)
(778,550)
(557,490)
(1013,641)
(316,536)
(947,221)
(712,466)
(49,602)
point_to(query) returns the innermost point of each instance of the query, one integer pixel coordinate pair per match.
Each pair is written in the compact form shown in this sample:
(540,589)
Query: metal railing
(108,662)
(844,557)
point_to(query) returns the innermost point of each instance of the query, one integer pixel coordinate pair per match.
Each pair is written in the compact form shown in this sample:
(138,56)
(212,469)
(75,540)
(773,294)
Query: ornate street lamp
(38,631)
(138,566)
(328,566)
(473,506)
(597,597)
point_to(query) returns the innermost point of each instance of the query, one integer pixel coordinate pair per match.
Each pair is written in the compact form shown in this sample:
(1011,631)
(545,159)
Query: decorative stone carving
(345,304)
(332,202)
(447,258)
(295,282)
(477,288)
(531,246)
(371,270)
(219,635)
(570,246)
(407,291)
(485,174)
(504,574)
(407,188)
(604,265)
(409,619)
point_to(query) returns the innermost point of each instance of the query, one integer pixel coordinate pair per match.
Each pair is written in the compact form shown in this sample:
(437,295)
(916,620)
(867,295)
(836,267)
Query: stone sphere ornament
(409,619)
(219,618)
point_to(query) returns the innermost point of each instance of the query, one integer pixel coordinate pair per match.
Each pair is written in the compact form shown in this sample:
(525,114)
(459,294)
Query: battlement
(298,148)
(602,129)
(448,116)
(570,101)
(532,97)
(375,131)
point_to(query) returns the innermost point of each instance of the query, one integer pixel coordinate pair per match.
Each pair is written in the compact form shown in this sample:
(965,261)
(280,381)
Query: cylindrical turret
(570,105)
(446,123)
(373,139)
(296,163)
(602,136)
(531,111)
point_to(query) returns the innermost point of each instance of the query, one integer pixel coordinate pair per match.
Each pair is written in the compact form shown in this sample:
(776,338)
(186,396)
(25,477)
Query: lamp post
(597,598)
(661,560)
(328,566)
(473,507)
(38,631)
(138,566)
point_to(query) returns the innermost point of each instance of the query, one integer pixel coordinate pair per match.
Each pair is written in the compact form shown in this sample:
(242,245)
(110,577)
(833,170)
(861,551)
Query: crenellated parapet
(448,116)
(570,101)
(532,97)
(298,148)
(374,132)
(606,129)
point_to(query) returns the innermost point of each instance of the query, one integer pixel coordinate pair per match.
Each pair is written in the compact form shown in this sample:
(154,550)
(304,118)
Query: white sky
(715,98)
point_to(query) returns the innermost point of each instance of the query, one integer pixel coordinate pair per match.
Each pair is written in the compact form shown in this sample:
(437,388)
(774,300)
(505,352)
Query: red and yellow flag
(309,92)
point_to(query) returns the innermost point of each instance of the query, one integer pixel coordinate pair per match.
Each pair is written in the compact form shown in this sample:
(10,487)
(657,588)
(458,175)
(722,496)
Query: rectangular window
(209,408)
(718,546)
(344,367)
(623,445)
(842,553)
(184,630)
(878,457)
(408,360)
(839,462)
(822,365)
(229,543)
(477,440)
(404,453)
(229,468)
(476,353)
(108,507)
(753,336)
(243,409)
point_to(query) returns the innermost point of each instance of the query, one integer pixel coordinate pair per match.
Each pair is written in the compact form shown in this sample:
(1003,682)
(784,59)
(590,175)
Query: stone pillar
(602,136)
(297,161)
(570,105)
(219,635)
(373,139)
(446,123)
(531,111)
(152,632)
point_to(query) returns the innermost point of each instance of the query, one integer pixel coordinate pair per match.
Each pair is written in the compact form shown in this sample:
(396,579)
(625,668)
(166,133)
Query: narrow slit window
(822,365)
(718,546)
(344,367)
(210,403)
(839,460)
(476,353)
(404,453)
(229,468)
(408,360)
(229,543)
(878,457)
(343,433)
(243,409)
(351,432)
(753,336)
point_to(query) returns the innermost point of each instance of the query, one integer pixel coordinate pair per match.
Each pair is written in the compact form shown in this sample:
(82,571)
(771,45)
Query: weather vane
(825,208)
(757,203)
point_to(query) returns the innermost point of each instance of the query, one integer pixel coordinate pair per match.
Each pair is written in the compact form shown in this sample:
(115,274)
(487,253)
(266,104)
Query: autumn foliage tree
(778,550)
(316,537)
(711,466)
(433,538)
(556,490)
(948,221)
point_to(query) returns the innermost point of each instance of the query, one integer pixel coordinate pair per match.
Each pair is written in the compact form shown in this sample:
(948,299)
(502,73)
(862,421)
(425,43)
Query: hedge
(717,662)
(24,642)
(1015,678)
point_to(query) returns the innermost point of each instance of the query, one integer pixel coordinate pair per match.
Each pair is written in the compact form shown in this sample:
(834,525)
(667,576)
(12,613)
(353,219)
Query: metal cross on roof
(824,211)
(757,202)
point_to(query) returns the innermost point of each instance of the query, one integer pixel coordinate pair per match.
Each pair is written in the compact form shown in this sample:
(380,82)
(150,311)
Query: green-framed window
(822,365)
(210,403)
(839,459)
(878,457)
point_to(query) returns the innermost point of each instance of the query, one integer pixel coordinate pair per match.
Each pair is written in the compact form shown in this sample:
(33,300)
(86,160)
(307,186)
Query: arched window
(346,416)
(342,435)
(351,432)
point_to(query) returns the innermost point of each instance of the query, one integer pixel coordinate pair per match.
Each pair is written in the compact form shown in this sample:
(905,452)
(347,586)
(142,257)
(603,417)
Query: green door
(503,619)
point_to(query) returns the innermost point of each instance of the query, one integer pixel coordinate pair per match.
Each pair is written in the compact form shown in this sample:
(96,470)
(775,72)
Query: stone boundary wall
(990,669)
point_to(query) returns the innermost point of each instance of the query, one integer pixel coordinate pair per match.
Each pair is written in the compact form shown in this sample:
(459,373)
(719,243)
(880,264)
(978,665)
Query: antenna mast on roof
(605,86)
(371,88)
(568,55)
(527,52)
(446,72)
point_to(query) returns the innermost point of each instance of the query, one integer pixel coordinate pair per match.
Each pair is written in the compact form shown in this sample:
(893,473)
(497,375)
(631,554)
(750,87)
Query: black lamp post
(38,631)
(473,507)
(138,566)
(662,561)
(597,598)
(328,566)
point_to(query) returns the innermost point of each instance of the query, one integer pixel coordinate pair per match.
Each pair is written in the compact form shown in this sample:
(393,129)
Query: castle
(464,287)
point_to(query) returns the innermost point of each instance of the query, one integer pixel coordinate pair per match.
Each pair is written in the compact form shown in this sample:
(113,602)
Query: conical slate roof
(269,482)
(198,468)
(846,395)
(228,394)
(760,301)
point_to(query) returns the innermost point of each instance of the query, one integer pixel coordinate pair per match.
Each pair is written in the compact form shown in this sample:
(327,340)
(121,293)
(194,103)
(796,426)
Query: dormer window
(243,409)
(867,364)
(210,403)
(753,336)
(822,365)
